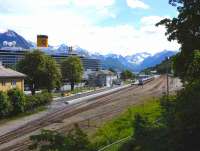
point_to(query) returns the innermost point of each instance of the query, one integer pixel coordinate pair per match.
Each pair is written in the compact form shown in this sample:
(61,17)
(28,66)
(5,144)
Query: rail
(115,146)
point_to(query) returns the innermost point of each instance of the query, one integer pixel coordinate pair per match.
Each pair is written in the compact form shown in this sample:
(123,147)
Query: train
(143,81)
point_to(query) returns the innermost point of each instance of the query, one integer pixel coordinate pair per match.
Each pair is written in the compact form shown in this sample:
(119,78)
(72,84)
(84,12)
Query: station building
(10,79)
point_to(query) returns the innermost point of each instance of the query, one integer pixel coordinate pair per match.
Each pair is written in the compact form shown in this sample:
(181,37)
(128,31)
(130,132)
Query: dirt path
(90,115)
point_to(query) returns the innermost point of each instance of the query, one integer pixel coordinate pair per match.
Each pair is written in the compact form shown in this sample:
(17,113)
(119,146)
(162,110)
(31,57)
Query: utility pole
(167,79)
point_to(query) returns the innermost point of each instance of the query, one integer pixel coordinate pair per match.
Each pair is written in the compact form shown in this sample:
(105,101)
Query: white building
(102,78)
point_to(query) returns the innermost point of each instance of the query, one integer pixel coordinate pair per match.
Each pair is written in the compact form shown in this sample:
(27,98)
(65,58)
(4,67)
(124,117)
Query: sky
(105,26)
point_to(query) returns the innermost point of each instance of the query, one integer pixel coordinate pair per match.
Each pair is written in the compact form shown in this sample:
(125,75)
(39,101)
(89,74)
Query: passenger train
(143,81)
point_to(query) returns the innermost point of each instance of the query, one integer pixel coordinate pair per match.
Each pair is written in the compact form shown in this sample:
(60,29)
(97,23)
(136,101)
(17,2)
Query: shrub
(44,98)
(31,102)
(75,140)
(17,99)
(5,106)
(37,100)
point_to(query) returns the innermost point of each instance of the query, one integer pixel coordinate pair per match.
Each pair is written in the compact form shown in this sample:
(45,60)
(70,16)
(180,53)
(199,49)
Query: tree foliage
(17,100)
(184,29)
(193,71)
(112,70)
(41,70)
(75,140)
(184,122)
(126,74)
(161,68)
(72,70)
(37,100)
(5,106)
(147,136)
(51,77)
(179,125)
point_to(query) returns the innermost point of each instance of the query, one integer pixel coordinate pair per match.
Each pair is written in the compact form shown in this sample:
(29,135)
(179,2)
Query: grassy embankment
(122,126)
(21,115)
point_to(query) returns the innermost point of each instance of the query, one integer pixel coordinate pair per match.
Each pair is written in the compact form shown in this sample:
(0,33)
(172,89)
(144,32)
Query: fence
(115,146)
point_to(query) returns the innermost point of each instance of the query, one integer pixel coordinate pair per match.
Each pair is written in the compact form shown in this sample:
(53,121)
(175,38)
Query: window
(13,82)
(3,83)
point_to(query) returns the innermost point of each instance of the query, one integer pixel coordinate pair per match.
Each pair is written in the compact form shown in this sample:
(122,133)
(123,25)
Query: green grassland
(122,126)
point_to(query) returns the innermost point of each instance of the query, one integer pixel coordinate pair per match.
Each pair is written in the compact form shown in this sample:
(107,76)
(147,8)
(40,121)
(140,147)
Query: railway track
(82,124)
(57,116)
(61,114)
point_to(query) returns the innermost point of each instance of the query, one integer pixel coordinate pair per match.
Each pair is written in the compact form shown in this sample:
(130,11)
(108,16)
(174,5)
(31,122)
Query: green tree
(184,29)
(183,118)
(72,70)
(180,114)
(5,106)
(126,74)
(41,70)
(17,100)
(148,135)
(193,71)
(51,77)
(75,140)
(112,70)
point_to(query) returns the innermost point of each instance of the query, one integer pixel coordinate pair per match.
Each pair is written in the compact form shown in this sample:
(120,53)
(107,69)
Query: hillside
(162,67)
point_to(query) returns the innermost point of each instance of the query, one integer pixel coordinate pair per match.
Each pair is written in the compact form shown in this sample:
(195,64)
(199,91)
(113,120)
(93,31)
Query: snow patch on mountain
(135,62)
(138,58)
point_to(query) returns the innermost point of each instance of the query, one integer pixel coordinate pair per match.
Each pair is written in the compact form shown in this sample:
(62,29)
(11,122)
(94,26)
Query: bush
(75,140)
(122,126)
(5,106)
(37,100)
(184,123)
(17,100)
(14,102)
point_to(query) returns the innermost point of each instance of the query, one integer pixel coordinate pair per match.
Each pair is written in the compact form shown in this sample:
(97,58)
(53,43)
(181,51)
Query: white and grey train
(145,80)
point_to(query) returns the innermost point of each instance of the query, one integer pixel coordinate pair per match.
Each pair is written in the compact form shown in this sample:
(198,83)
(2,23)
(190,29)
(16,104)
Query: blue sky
(106,26)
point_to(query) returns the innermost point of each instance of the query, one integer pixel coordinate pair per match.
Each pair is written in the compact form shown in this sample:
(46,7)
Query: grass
(21,115)
(122,126)
(82,89)
(75,91)
(128,82)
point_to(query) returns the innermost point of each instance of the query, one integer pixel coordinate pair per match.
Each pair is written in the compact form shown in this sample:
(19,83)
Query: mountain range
(135,62)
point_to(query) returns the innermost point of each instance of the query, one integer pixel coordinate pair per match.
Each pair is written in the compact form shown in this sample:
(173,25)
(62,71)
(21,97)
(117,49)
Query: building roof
(103,72)
(9,73)
(106,72)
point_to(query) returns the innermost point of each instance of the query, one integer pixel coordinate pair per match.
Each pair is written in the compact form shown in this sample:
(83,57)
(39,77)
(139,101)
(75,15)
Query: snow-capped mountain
(81,51)
(11,36)
(157,58)
(135,62)
(138,58)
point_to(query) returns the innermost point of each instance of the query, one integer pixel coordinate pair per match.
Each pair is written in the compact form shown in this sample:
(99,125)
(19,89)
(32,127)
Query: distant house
(10,79)
(102,78)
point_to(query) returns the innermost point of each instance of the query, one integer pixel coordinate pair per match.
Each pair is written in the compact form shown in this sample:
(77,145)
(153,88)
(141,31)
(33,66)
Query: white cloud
(152,20)
(64,24)
(137,4)
(120,39)
(30,6)
(93,3)
(106,13)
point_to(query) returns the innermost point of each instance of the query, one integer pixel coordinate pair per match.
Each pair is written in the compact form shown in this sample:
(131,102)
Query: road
(90,113)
